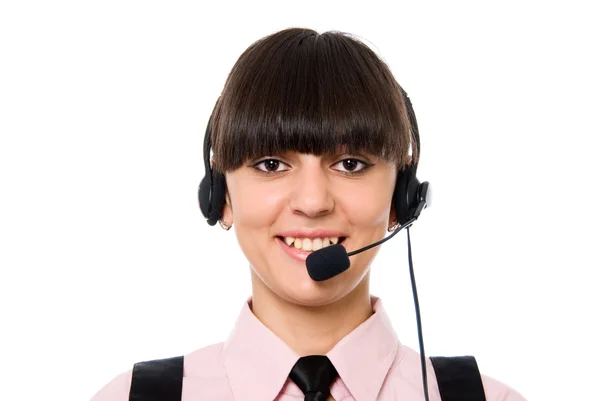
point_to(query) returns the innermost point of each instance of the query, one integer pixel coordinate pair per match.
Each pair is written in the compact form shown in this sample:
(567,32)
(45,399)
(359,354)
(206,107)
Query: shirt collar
(364,356)
(258,362)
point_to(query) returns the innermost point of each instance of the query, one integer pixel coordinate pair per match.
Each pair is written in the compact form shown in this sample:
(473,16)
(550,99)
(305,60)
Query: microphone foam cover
(327,262)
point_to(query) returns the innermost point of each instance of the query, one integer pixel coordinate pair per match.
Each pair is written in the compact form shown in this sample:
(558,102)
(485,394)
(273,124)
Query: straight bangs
(297,90)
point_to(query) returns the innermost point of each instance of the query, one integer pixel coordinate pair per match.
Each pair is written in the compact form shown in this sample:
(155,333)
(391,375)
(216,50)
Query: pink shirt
(253,365)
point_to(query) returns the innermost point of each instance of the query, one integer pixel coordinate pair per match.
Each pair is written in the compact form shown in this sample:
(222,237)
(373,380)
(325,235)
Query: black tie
(314,374)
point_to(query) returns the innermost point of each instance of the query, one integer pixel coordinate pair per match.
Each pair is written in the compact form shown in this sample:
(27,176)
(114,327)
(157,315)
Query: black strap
(157,380)
(458,378)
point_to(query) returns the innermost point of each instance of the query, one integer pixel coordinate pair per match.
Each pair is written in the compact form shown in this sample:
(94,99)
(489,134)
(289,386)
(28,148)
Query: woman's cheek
(258,207)
(367,208)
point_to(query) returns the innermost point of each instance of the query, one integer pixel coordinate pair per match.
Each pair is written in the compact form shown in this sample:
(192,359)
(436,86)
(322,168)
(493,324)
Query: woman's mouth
(300,248)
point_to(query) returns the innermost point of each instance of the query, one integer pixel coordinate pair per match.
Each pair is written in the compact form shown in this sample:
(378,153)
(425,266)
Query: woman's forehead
(338,151)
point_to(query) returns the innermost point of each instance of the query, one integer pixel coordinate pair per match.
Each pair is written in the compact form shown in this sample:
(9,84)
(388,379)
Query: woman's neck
(311,330)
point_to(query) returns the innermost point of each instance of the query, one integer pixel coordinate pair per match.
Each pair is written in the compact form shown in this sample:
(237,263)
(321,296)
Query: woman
(309,134)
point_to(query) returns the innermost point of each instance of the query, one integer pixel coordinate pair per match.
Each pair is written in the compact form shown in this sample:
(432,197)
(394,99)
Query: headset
(457,376)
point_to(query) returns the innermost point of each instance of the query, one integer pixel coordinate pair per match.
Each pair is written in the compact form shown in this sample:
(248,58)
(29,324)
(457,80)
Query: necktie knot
(314,374)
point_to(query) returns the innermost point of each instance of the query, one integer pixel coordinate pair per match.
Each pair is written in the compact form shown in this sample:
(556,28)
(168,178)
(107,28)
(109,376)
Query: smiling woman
(309,136)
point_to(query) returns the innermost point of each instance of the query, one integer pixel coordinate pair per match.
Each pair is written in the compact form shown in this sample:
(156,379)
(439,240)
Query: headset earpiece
(211,191)
(204,191)
(211,197)
(410,195)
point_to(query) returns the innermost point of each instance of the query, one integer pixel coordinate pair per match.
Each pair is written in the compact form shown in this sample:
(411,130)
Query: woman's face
(308,198)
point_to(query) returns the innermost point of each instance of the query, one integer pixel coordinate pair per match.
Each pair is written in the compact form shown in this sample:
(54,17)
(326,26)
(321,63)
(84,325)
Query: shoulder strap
(157,380)
(458,378)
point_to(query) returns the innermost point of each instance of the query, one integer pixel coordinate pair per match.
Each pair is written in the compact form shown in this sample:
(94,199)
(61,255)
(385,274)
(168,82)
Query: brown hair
(298,90)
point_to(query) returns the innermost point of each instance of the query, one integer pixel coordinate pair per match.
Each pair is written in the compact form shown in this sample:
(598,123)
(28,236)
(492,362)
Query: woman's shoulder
(496,390)
(115,390)
(407,365)
(205,361)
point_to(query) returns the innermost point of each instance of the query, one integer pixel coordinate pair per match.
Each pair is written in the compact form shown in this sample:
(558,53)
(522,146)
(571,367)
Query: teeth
(306,244)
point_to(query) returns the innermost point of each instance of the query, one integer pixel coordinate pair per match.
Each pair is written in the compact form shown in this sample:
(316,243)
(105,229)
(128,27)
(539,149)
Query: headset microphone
(332,260)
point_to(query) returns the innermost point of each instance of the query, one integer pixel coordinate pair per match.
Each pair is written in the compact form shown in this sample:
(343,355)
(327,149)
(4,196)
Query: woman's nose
(312,192)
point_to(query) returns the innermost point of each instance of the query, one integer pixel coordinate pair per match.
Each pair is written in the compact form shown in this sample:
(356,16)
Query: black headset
(410,195)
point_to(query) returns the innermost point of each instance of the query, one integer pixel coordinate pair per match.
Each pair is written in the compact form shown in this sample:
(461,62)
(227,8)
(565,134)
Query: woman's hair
(298,90)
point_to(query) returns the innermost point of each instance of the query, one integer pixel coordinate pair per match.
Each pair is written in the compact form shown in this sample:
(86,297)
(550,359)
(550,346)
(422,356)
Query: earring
(223,225)
(394,227)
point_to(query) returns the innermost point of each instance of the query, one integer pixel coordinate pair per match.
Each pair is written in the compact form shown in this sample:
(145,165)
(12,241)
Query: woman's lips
(295,253)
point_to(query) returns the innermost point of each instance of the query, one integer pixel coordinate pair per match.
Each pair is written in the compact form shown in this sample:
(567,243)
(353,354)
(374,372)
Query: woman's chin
(307,292)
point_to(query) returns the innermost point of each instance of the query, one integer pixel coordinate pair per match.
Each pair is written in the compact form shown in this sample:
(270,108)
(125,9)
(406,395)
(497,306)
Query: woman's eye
(269,165)
(352,166)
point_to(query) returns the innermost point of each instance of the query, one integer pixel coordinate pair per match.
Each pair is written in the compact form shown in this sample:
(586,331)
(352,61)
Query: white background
(106,259)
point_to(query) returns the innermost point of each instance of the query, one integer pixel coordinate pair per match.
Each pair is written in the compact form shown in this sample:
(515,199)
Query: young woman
(310,134)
